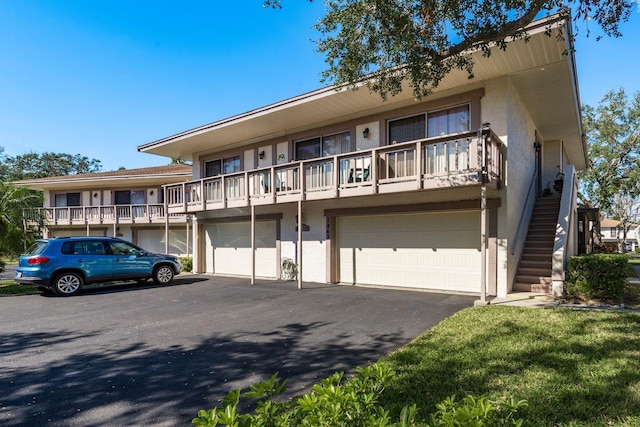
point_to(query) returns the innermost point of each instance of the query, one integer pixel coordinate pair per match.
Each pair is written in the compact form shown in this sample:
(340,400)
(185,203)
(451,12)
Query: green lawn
(575,368)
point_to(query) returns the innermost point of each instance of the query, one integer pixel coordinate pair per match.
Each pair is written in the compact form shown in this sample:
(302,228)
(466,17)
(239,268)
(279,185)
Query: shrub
(601,276)
(2,264)
(352,403)
(187,263)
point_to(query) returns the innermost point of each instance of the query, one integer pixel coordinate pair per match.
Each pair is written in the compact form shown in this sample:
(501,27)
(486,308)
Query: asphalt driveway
(145,355)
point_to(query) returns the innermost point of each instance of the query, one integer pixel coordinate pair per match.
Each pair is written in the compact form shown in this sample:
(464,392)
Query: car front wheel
(67,284)
(163,275)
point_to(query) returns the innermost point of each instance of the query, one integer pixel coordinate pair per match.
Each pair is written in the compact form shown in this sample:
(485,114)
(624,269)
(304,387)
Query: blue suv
(66,264)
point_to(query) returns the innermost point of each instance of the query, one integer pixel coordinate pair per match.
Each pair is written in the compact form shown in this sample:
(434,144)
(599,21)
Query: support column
(195,229)
(253,244)
(166,223)
(299,244)
(483,244)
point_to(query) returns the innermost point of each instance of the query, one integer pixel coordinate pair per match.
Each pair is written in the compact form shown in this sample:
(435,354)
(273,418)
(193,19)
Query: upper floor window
(407,129)
(328,145)
(129,197)
(222,166)
(434,123)
(67,199)
(448,121)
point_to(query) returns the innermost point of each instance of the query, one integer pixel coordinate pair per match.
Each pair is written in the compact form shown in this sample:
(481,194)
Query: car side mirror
(142,253)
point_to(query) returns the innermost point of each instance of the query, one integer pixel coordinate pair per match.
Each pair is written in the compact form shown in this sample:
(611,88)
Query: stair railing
(562,246)
(525,216)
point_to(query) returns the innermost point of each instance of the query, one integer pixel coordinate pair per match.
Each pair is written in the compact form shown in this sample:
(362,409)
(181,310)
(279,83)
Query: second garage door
(426,250)
(228,248)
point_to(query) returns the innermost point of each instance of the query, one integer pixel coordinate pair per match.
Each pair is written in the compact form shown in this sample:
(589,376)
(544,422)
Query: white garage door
(426,250)
(228,249)
(154,241)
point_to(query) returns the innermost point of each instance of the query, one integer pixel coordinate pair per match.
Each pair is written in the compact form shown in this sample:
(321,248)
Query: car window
(73,248)
(37,248)
(95,248)
(123,248)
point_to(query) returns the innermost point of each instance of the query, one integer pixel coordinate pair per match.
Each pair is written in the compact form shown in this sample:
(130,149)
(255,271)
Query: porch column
(299,244)
(253,244)
(196,245)
(483,244)
(166,223)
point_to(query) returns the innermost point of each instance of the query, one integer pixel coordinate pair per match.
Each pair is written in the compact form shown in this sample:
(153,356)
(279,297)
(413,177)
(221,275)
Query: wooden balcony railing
(455,160)
(108,214)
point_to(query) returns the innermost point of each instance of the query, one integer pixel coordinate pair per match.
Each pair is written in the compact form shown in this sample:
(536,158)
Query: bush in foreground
(600,276)
(352,403)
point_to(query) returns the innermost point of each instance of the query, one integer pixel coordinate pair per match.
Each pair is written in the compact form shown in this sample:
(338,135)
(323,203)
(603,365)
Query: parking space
(146,355)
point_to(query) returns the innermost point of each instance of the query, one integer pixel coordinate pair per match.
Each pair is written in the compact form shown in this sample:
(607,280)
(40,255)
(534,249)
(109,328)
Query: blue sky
(100,77)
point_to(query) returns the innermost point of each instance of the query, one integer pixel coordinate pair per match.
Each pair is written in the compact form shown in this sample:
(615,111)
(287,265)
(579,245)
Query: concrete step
(533,278)
(532,287)
(540,264)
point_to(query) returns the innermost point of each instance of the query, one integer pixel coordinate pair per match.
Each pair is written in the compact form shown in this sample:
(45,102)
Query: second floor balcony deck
(107,214)
(442,162)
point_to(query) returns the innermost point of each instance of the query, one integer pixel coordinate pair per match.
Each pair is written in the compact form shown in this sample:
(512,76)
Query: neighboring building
(357,190)
(123,203)
(610,232)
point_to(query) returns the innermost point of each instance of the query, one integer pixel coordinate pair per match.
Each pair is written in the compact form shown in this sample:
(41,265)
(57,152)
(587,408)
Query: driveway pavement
(145,355)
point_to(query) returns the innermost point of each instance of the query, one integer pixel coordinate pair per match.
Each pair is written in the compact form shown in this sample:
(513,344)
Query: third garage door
(438,250)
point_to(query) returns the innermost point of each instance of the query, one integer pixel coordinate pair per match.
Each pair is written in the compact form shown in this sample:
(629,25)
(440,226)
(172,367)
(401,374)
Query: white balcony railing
(455,160)
(108,214)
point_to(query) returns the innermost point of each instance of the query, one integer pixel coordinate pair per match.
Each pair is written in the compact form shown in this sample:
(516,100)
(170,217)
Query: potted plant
(559,181)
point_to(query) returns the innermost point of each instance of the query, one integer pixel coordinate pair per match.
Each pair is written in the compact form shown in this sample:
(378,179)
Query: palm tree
(13,201)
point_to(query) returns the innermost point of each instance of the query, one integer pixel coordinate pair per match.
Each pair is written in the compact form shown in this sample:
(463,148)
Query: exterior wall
(502,107)
(552,157)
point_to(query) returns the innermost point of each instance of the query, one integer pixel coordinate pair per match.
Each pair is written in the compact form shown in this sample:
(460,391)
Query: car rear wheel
(163,275)
(67,284)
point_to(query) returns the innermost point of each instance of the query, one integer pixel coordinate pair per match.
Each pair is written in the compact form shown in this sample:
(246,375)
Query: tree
(33,165)
(385,42)
(611,183)
(12,202)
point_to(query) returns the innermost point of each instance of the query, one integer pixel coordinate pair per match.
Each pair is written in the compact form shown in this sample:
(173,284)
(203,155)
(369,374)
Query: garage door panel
(427,250)
(228,248)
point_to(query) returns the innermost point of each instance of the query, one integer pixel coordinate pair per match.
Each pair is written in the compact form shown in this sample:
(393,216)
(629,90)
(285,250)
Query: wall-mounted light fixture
(151,193)
(261,154)
(95,195)
(365,133)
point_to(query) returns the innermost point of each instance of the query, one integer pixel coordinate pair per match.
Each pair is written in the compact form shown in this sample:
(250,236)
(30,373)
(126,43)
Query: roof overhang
(144,177)
(542,70)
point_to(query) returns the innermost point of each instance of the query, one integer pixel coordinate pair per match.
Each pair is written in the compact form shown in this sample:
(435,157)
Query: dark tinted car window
(73,248)
(37,248)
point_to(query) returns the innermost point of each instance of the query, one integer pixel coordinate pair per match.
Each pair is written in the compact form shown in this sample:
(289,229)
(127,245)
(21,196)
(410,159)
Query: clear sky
(100,77)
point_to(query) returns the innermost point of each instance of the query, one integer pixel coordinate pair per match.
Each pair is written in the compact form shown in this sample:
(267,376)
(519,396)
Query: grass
(575,368)
(10,288)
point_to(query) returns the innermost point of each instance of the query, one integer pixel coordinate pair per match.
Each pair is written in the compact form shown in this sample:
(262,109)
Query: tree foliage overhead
(43,165)
(370,39)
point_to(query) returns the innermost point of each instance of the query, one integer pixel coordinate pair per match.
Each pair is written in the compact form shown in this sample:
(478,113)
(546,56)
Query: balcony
(108,214)
(442,162)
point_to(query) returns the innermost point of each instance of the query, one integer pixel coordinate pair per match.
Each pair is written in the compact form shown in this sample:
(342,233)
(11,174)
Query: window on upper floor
(448,121)
(434,123)
(222,166)
(322,146)
(67,199)
(129,197)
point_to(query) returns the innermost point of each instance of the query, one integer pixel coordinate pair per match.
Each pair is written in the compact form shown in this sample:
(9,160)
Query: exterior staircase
(534,269)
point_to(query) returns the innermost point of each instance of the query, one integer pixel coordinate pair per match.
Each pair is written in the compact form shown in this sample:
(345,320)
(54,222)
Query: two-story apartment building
(127,203)
(437,193)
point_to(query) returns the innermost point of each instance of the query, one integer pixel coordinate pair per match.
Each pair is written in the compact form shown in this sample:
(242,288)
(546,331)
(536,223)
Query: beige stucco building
(442,193)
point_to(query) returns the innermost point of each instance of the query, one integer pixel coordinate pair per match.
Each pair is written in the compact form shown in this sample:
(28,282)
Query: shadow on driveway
(157,356)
